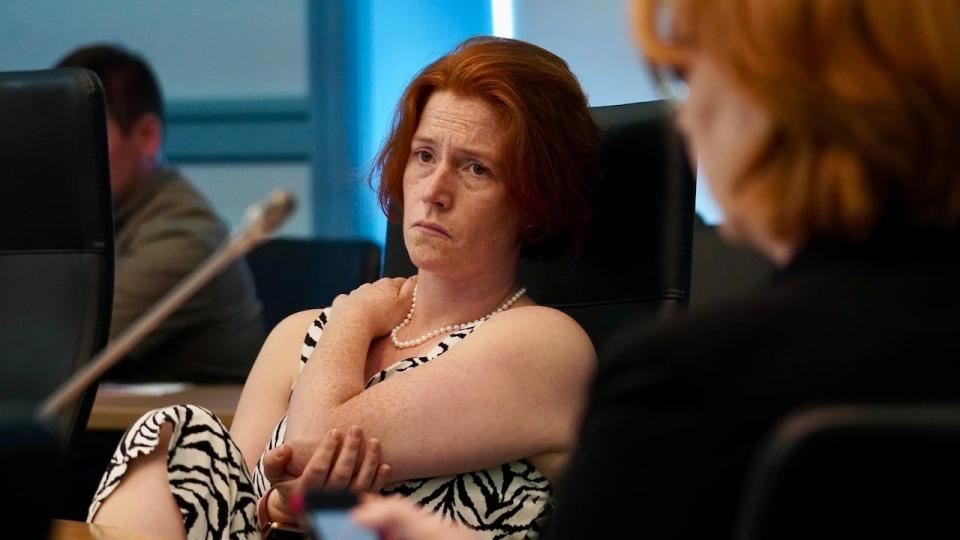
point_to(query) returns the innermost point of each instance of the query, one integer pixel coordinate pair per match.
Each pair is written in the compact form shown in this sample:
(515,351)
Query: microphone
(259,222)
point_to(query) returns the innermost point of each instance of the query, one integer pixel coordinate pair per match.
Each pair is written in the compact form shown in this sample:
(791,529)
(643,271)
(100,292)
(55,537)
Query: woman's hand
(338,464)
(396,518)
(379,306)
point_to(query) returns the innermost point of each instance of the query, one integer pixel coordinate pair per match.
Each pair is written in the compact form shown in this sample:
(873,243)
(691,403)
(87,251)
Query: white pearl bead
(436,332)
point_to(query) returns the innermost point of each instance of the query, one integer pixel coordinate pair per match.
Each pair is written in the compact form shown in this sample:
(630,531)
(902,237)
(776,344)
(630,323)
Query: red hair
(550,141)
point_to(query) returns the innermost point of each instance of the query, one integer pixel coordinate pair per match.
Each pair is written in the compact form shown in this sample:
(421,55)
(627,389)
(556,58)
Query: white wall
(199,49)
(594,37)
(232,188)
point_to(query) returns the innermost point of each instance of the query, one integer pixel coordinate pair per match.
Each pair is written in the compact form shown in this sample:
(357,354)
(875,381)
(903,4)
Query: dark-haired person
(470,391)
(832,148)
(164,229)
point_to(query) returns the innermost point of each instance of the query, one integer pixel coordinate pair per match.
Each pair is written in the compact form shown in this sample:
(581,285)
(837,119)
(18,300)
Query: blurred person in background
(165,229)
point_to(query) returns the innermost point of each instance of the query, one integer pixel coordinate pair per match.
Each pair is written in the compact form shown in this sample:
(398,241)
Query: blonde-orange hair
(864,96)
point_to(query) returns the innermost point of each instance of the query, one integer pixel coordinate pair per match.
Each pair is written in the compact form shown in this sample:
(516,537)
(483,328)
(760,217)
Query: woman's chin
(429,258)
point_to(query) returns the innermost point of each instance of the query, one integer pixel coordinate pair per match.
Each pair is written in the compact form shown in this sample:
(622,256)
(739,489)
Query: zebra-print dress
(218,499)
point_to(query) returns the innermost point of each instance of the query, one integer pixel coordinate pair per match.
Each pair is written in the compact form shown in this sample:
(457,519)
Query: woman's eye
(479,169)
(423,156)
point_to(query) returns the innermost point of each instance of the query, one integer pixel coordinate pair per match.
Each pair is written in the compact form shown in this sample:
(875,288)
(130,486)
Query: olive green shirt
(164,231)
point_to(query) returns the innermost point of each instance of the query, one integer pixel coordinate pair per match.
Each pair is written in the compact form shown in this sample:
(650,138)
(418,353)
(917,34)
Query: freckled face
(458,217)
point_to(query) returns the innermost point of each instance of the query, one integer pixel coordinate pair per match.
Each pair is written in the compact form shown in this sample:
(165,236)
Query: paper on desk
(143,389)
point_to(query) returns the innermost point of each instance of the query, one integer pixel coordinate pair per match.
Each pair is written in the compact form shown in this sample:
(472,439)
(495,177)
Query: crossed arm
(514,389)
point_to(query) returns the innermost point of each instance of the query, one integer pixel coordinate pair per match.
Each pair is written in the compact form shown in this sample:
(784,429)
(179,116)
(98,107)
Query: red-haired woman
(471,389)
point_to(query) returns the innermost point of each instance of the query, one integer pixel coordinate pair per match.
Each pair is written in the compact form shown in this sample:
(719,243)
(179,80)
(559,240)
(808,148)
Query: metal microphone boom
(261,220)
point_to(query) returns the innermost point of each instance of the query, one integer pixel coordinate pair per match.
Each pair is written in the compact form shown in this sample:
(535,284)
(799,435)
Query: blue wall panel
(362,55)
(244,130)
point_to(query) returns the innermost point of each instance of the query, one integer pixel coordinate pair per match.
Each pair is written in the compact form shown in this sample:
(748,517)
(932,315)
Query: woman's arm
(267,391)
(513,389)
(341,462)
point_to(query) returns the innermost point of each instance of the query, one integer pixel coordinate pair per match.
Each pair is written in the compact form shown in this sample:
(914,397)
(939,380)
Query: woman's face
(458,218)
(724,129)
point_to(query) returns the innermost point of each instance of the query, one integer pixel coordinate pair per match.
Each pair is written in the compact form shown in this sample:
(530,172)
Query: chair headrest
(638,247)
(49,161)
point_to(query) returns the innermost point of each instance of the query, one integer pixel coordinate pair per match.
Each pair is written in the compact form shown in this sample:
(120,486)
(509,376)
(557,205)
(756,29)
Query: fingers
(278,502)
(380,480)
(346,463)
(275,463)
(395,283)
(342,462)
(406,287)
(315,473)
(398,517)
(369,467)
(338,300)
(386,514)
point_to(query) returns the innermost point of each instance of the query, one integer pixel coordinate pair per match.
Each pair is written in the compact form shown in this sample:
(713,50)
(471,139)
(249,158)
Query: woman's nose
(437,188)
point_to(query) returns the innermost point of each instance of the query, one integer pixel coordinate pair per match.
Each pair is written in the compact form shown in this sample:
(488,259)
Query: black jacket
(676,416)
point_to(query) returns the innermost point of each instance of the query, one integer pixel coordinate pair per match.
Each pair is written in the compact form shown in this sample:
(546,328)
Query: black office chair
(56,234)
(292,275)
(723,272)
(635,263)
(857,472)
(56,270)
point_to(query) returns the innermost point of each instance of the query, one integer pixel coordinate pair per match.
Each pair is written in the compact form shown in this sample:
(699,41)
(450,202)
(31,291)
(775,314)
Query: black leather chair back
(857,472)
(56,235)
(635,263)
(292,275)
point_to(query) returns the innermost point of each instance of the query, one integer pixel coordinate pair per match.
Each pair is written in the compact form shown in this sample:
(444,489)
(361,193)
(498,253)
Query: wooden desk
(117,410)
(61,529)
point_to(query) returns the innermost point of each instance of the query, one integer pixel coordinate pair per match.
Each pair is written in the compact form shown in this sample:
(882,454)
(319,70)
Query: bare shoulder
(286,338)
(545,320)
(295,325)
(541,335)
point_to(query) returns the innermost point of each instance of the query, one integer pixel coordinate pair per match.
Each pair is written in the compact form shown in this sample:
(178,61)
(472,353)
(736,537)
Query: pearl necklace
(445,329)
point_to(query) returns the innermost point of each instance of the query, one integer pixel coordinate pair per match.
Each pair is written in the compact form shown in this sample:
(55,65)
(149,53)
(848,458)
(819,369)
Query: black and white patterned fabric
(208,478)
(509,501)
(218,500)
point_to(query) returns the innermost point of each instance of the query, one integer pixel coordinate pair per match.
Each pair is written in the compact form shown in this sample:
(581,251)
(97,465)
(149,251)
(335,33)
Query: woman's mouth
(432,228)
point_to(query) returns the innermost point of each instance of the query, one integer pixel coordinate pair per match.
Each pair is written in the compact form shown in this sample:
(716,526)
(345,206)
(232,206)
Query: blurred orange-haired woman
(829,132)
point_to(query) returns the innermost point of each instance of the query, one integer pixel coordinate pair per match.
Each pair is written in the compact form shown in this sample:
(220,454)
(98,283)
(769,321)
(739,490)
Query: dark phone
(279,531)
(326,516)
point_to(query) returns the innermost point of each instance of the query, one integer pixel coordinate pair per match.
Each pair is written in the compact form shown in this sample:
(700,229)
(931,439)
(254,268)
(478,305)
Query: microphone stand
(260,220)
